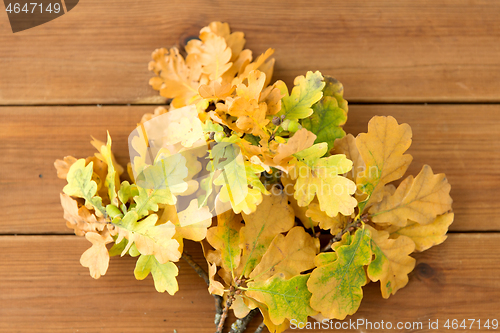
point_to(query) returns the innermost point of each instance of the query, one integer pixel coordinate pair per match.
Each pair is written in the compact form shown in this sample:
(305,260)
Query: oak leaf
(336,282)
(80,219)
(324,180)
(347,146)
(426,236)
(212,52)
(382,150)
(62,166)
(326,121)
(215,287)
(285,299)
(235,41)
(306,92)
(96,258)
(420,200)
(300,140)
(163,274)
(226,239)
(149,238)
(334,224)
(287,255)
(272,217)
(81,185)
(175,79)
(392,262)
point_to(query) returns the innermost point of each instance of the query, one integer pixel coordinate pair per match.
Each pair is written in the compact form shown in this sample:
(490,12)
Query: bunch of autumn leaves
(299,165)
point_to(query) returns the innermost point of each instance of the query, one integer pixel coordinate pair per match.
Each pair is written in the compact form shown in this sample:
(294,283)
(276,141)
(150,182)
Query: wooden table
(433,64)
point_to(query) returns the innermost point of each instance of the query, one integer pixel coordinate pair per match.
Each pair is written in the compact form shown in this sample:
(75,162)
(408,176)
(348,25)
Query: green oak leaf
(312,154)
(326,121)
(163,274)
(307,91)
(233,177)
(336,282)
(285,299)
(158,183)
(334,88)
(127,191)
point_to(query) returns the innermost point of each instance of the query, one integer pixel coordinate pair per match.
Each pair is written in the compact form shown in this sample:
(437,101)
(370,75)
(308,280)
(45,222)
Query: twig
(225,311)
(218,309)
(260,328)
(201,272)
(240,325)
(350,227)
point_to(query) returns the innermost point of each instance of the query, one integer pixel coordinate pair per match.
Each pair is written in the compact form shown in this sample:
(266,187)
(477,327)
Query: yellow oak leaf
(426,236)
(216,91)
(191,223)
(272,217)
(273,328)
(212,52)
(237,68)
(212,255)
(287,255)
(325,222)
(382,150)
(215,287)
(62,166)
(251,115)
(163,274)
(272,97)
(263,63)
(149,238)
(392,262)
(239,307)
(323,179)
(96,258)
(301,140)
(253,88)
(225,238)
(347,146)
(420,200)
(235,41)
(81,220)
(175,79)
(113,169)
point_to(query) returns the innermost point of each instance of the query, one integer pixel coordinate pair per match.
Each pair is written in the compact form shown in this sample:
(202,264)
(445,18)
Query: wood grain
(390,51)
(44,289)
(462,141)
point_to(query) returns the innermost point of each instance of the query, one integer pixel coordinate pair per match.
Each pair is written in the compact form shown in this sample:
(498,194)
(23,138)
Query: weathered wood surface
(391,51)
(462,141)
(44,289)
(382,51)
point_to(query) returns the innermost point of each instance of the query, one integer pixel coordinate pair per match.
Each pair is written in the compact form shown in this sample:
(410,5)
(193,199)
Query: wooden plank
(462,141)
(44,289)
(383,50)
